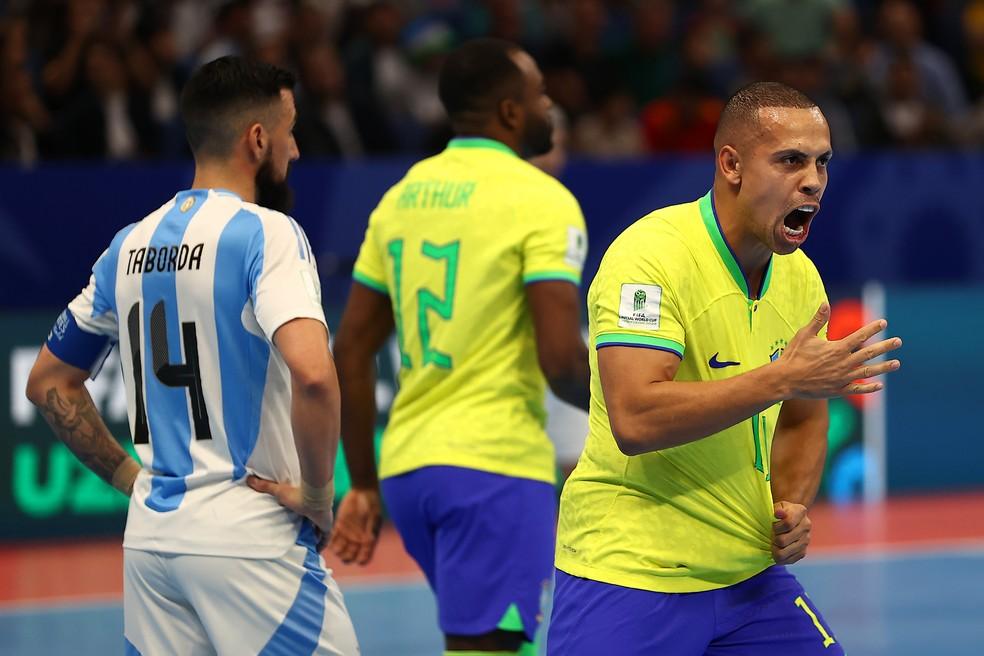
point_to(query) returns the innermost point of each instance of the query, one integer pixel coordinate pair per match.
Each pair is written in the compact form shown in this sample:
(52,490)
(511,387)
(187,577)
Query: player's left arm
(58,390)
(553,254)
(799,449)
(560,349)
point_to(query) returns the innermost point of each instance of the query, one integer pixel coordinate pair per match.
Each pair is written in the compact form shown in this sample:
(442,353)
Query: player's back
(453,244)
(197,289)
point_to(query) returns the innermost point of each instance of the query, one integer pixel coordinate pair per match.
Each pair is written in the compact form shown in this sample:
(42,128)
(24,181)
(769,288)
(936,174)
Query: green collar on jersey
(727,255)
(481,142)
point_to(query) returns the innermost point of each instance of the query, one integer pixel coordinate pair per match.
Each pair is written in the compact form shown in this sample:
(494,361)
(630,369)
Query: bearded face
(538,134)
(272,193)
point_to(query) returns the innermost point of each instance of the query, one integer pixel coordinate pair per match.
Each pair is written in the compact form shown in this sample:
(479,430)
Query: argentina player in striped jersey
(215,303)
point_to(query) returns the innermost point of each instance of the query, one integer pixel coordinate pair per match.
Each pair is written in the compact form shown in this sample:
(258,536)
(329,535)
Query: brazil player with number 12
(215,303)
(707,428)
(475,258)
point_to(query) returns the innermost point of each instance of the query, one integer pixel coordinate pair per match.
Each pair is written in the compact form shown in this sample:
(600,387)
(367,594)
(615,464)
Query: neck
(752,255)
(485,132)
(226,175)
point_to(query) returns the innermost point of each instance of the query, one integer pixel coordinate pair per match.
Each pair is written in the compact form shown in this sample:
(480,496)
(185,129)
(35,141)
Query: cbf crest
(777,348)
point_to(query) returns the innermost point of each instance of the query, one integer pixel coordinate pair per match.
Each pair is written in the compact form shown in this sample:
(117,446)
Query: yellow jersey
(452,245)
(697,516)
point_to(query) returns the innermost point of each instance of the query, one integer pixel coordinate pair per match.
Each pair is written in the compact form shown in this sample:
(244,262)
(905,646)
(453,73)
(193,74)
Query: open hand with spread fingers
(818,369)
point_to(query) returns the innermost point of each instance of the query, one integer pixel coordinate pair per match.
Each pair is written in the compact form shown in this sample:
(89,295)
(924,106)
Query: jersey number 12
(426,300)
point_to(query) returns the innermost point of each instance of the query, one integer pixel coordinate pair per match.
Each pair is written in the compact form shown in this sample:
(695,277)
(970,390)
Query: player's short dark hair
(477,75)
(224,94)
(742,108)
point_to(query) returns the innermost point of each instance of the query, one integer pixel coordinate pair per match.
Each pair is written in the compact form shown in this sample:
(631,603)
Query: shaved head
(741,118)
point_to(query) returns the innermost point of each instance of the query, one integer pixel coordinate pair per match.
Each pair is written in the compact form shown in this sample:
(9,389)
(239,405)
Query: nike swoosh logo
(717,364)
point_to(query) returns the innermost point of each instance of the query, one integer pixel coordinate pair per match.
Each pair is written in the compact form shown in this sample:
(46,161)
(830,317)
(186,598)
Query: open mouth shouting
(796,224)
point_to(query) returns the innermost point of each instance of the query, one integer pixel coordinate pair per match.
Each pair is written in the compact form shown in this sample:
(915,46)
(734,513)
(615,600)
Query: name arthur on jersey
(175,257)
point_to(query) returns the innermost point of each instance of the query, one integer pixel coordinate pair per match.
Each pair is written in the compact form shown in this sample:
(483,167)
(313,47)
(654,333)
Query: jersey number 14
(187,374)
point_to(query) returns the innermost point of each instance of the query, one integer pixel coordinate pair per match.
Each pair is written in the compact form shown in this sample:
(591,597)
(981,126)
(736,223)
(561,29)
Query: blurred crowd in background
(99,79)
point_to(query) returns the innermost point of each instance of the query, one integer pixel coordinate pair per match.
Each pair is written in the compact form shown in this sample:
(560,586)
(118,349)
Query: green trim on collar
(727,256)
(481,142)
(767,276)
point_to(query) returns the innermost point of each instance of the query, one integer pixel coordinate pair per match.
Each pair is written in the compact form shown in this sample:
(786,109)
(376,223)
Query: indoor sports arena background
(897,562)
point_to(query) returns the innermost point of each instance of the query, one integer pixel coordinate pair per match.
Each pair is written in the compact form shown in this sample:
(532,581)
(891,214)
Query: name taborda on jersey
(176,257)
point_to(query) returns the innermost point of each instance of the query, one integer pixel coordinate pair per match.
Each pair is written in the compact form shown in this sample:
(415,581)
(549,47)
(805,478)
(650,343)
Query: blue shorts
(485,542)
(767,615)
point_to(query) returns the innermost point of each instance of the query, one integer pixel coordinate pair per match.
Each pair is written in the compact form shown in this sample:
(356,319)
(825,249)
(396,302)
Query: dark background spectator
(327,123)
(904,67)
(100,78)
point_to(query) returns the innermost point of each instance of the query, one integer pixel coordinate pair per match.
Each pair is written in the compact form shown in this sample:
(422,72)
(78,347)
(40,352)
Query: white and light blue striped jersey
(193,294)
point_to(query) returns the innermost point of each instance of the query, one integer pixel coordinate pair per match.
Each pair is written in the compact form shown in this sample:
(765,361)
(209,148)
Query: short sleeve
(84,333)
(283,277)
(634,299)
(94,309)
(557,242)
(369,268)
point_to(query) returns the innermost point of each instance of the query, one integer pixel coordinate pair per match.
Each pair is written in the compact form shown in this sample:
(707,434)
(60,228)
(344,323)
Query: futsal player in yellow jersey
(475,258)
(709,378)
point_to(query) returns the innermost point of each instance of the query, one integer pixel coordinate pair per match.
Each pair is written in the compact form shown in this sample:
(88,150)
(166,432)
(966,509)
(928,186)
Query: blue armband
(77,347)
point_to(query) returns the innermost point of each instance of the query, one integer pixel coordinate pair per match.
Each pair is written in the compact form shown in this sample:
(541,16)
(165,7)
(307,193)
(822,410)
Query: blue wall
(895,218)
(935,404)
(913,222)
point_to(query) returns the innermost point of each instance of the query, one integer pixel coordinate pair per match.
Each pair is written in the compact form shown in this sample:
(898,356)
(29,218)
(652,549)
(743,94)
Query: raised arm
(560,349)
(650,411)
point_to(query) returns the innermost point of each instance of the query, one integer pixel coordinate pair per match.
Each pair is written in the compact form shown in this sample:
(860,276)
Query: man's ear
(510,114)
(257,141)
(729,163)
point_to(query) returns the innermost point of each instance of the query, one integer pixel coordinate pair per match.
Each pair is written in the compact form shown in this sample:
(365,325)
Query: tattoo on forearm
(77,423)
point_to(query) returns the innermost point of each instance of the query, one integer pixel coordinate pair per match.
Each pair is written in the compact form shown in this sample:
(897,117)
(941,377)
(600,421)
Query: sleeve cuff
(541,276)
(374,285)
(277,320)
(627,339)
